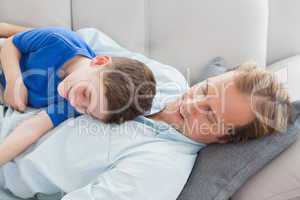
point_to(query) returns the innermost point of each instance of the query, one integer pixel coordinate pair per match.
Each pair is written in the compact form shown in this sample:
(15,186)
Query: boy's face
(84,89)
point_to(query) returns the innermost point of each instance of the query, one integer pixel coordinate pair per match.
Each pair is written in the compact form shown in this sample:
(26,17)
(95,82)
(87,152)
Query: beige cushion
(124,21)
(280,180)
(183,34)
(36,13)
(284,29)
(188,34)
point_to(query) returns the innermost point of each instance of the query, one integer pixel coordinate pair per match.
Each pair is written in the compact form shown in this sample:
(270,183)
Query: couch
(187,34)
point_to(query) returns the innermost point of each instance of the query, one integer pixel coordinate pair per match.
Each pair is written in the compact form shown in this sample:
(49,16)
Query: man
(151,157)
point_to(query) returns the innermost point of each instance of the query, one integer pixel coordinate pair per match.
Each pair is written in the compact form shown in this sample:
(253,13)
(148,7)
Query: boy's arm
(24,135)
(7,30)
(10,58)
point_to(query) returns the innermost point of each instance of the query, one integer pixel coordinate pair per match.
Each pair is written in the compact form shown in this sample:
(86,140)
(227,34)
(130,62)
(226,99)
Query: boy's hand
(15,95)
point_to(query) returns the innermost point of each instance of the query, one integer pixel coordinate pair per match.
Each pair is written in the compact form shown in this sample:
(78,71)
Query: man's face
(213,107)
(84,89)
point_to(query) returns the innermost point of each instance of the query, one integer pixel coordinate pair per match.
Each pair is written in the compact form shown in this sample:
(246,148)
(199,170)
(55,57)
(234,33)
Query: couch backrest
(36,13)
(284,29)
(185,34)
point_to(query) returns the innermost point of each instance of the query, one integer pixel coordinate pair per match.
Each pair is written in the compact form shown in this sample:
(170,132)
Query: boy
(56,69)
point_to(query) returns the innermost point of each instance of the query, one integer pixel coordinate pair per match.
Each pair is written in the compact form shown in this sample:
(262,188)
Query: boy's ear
(101,60)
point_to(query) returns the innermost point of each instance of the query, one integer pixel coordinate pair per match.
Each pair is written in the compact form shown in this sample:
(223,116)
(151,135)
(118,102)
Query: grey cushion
(283,30)
(220,170)
(214,67)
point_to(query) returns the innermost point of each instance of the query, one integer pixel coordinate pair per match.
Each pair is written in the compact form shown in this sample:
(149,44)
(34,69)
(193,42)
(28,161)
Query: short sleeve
(52,41)
(31,40)
(61,111)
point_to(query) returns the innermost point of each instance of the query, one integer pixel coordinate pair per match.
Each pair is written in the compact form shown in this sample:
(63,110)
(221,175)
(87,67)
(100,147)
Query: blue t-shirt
(43,52)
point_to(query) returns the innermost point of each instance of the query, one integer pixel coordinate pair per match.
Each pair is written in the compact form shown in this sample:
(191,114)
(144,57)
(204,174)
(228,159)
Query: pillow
(220,170)
(214,68)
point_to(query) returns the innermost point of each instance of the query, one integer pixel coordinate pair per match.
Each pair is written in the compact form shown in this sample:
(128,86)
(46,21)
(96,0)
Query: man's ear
(101,60)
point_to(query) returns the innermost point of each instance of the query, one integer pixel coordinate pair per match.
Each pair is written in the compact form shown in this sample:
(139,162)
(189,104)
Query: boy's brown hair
(130,88)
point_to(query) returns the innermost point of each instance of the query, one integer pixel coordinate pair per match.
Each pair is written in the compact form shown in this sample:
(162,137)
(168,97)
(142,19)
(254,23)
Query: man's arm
(141,175)
(24,135)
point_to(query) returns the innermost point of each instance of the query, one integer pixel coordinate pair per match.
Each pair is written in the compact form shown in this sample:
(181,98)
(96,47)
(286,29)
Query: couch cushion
(214,68)
(184,35)
(34,13)
(284,29)
(220,170)
(122,20)
(188,35)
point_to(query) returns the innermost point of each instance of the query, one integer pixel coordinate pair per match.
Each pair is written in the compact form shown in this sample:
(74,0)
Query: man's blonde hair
(270,102)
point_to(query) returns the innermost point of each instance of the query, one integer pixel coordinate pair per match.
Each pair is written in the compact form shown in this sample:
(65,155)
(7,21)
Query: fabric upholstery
(188,35)
(185,35)
(34,13)
(284,29)
(122,20)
